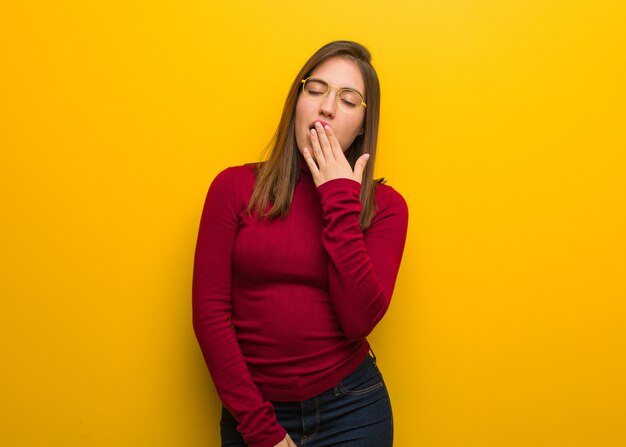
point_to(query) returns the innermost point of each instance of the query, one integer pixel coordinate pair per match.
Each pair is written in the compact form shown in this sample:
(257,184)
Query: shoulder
(388,197)
(236,175)
(244,172)
(391,209)
(234,182)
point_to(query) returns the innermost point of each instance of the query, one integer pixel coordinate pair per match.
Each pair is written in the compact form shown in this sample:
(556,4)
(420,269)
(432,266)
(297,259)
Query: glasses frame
(330,86)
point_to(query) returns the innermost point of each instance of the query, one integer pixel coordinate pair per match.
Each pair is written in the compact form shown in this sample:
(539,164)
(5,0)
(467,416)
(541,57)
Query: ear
(361,131)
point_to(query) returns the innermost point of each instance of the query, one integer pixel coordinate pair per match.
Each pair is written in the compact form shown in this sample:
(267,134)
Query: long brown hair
(277,177)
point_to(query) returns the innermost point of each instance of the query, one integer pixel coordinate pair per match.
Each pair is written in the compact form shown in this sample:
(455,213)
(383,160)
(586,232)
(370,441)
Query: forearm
(362,269)
(231,376)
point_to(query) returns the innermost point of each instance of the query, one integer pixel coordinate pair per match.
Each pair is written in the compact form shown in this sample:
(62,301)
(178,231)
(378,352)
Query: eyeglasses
(348,100)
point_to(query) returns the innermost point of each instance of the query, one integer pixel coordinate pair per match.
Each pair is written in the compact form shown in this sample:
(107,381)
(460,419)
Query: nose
(329,104)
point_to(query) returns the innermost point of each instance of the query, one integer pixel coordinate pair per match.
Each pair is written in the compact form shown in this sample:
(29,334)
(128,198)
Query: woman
(295,264)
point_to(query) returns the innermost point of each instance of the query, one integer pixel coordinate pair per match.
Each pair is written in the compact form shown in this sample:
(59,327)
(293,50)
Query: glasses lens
(349,101)
(315,89)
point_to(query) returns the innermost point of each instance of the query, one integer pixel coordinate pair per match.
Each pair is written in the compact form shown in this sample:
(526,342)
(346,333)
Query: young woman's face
(340,73)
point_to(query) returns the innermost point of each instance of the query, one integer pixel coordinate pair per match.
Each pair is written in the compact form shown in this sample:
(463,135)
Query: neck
(303,167)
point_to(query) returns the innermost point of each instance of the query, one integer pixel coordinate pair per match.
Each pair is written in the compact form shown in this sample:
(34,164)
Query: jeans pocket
(365,379)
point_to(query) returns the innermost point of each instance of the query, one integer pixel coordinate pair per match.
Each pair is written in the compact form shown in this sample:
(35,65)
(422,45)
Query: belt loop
(373,355)
(336,391)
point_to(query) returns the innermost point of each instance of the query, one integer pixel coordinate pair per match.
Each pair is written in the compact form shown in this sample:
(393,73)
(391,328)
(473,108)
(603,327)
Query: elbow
(207,317)
(357,326)
(355,332)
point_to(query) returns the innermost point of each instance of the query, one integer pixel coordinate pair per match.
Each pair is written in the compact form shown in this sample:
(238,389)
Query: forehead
(340,72)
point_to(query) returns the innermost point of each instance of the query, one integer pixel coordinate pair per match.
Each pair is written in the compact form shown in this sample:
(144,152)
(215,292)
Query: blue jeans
(354,413)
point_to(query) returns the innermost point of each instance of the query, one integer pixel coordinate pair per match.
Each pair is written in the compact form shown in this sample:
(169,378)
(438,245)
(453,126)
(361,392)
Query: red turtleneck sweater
(281,308)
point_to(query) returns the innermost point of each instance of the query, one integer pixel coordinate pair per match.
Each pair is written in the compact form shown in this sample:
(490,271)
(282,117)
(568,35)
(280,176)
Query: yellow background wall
(502,125)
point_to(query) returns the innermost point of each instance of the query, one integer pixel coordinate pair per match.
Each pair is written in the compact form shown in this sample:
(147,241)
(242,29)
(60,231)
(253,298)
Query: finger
(317,149)
(359,167)
(308,158)
(334,143)
(326,146)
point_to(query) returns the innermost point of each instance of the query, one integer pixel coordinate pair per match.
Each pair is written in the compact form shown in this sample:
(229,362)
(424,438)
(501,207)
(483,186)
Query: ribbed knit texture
(281,308)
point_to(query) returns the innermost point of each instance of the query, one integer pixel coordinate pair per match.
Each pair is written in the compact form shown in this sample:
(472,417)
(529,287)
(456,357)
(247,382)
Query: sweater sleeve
(211,308)
(362,268)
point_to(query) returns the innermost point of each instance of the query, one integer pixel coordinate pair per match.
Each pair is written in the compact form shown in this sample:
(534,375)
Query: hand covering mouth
(323,123)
